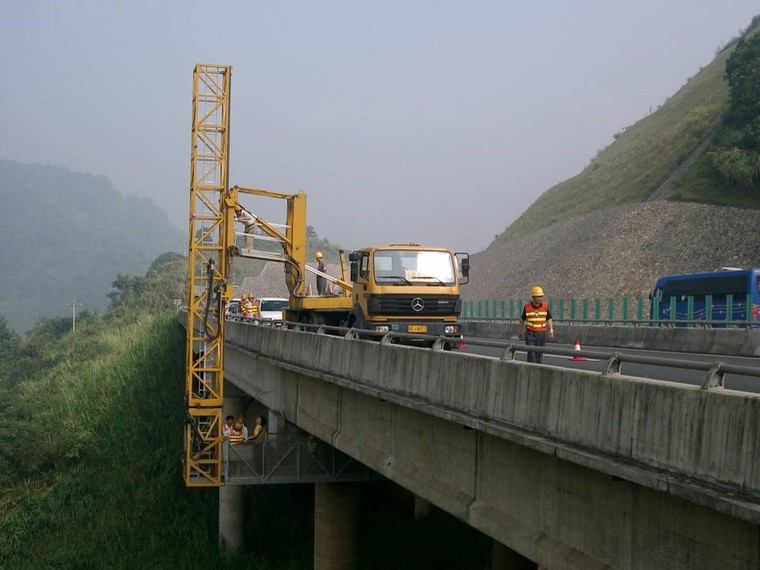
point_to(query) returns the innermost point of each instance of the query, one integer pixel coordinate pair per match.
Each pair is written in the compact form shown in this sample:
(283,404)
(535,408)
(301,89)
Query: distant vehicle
(233,309)
(270,308)
(729,294)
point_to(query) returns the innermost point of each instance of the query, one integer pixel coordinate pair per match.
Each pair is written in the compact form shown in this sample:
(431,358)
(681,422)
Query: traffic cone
(578,357)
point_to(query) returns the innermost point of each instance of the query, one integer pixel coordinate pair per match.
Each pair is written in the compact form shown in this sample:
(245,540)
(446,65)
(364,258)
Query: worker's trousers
(535,338)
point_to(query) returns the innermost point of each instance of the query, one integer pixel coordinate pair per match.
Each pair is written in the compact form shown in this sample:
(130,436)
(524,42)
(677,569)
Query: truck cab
(408,288)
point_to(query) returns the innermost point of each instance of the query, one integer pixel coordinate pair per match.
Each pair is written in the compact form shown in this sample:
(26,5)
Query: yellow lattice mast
(207,269)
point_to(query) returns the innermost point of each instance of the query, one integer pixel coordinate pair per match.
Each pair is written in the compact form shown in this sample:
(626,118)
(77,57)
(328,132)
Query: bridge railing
(289,459)
(715,371)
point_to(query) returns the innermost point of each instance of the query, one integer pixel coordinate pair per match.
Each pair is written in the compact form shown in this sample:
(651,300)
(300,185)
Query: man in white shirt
(249,220)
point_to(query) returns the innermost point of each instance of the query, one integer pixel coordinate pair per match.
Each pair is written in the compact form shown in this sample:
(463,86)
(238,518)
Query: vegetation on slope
(95,474)
(66,235)
(90,459)
(647,154)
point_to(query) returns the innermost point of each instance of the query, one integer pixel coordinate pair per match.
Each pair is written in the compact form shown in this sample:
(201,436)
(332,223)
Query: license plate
(417,328)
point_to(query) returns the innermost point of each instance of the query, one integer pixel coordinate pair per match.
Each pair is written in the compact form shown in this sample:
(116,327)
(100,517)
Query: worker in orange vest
(535,321)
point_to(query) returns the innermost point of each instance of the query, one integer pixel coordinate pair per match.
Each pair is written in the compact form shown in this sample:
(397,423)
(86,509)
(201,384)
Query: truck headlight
(451,329)
(382,328)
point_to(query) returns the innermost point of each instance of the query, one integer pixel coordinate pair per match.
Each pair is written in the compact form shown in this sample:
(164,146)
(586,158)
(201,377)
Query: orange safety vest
(535,317)
(236,436)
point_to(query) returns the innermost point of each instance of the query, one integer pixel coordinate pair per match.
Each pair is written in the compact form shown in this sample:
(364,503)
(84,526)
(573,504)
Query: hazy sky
(431,121)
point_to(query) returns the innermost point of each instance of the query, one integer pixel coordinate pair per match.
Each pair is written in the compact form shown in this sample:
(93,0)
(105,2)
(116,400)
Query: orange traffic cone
(578,347)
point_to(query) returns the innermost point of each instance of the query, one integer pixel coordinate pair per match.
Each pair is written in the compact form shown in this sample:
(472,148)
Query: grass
(108,490)
(114,496)
(642,157)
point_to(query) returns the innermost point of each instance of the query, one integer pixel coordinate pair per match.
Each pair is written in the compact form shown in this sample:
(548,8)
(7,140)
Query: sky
(437,122)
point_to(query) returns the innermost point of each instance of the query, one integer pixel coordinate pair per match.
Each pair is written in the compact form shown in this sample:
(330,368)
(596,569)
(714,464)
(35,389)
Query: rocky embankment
(612,253)
(618,252)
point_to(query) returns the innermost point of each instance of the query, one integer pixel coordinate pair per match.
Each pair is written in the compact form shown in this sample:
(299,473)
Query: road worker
(249,221)
(259,430)
(535,322)
(238,432)
(321,281)
(249,307)
(229,423)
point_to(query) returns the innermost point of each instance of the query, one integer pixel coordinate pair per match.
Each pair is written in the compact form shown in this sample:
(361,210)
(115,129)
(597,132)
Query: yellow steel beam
(207,272)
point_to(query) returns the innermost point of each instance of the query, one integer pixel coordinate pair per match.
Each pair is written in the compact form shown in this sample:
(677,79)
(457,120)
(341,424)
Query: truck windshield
(413,267)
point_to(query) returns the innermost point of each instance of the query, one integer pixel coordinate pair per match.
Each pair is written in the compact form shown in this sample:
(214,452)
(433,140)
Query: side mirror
(354,270)
(466,266)
(463,260)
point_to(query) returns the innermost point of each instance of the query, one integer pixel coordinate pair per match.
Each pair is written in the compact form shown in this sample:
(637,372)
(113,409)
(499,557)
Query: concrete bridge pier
(231,519)
(336,540)
(505,558)
(421,507)
(231,508)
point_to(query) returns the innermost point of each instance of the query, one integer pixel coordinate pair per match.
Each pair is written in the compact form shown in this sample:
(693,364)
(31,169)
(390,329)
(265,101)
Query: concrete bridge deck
(570,469)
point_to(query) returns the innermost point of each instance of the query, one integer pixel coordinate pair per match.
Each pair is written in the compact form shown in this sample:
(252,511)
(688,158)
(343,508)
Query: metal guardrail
(714,377)
(714,371)
(683,323)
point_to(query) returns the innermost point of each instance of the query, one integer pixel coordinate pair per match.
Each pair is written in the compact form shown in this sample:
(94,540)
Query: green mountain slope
(67,236)
(646,156)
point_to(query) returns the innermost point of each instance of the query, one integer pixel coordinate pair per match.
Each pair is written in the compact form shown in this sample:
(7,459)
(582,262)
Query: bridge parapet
(692,443)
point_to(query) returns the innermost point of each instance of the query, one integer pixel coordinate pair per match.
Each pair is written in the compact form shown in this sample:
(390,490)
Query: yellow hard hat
(318,255)
(536,292)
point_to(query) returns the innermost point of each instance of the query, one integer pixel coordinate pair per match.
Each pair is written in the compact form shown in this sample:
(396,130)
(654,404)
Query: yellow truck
(401,288)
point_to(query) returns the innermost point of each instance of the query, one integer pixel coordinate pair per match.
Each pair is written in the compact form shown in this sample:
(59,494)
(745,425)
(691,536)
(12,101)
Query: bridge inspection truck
(404,288)
(401,288)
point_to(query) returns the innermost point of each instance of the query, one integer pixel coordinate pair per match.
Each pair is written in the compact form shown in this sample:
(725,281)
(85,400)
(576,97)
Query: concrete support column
(421,507)
(336,539)
(507,559)
(231,519)
(233,406)
(275,422)
(231,511)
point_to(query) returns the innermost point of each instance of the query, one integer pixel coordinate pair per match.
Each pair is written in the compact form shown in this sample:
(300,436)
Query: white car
(270,308)
(232,311)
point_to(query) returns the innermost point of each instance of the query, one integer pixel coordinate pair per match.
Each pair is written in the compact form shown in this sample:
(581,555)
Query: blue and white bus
(712,298)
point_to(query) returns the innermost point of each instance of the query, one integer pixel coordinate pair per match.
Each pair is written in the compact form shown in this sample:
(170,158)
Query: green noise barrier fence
(689,311)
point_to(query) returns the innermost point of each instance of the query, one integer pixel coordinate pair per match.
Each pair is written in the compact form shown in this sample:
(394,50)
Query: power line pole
(73,305)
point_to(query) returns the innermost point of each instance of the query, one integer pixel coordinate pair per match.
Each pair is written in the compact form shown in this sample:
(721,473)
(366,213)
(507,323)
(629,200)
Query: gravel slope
(612,253)
(618,252)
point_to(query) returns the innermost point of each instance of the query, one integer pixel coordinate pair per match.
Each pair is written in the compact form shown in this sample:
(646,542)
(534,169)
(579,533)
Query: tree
(737,154)
(155,291)
(10,355)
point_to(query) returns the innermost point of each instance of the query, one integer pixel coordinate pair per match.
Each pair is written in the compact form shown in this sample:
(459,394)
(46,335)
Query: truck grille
(413,305)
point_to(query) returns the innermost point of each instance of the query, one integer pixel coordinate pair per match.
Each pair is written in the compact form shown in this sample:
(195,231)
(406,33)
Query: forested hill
(67,236)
